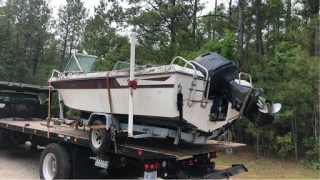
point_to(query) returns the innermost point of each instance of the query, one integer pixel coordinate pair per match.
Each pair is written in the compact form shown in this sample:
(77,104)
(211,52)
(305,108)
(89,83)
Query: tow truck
(67,153)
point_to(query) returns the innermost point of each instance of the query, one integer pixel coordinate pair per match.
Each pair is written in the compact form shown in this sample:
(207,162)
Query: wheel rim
(49,166)
(96,137)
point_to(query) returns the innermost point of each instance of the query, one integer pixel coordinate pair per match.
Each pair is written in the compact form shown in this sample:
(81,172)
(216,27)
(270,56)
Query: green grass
(264,168)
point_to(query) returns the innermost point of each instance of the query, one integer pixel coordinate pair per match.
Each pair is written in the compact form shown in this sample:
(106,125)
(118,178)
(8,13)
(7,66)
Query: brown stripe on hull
(157,79)
(99,84)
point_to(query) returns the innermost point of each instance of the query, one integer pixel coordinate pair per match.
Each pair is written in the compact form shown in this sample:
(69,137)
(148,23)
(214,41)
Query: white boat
(212,97)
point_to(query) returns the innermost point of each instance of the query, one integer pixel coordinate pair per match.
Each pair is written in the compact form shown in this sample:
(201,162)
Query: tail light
(152,166)
(156,165)
(195,160)
(214,154)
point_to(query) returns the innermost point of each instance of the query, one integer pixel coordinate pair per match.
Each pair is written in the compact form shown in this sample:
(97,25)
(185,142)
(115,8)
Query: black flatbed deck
(151,147)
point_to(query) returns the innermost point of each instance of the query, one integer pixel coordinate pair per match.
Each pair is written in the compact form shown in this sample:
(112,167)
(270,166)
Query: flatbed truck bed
(144,149)
(68,152)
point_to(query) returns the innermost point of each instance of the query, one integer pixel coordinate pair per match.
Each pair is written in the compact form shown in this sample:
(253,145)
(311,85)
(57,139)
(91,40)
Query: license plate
(150,175)
(102,164)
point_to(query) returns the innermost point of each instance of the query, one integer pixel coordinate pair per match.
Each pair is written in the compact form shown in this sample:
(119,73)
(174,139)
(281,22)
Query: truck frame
(67,152)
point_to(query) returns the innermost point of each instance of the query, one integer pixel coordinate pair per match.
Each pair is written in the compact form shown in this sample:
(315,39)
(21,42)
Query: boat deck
(158,147)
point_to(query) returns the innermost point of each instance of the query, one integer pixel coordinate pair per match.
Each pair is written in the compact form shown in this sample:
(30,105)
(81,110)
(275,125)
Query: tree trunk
(288,16)
(173,25)
(241,32)
(263,145)
(315,116)
(259,29)
(259,38)
(294,135)
(314,11)
(230,15)
(258,152)
(240,133)
(296,138)
(72,40)
(36,59)
(194,21)
(64,48)
(215,18)
(209,28)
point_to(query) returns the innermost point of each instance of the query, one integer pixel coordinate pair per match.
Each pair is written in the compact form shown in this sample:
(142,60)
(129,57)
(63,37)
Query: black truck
(67,153)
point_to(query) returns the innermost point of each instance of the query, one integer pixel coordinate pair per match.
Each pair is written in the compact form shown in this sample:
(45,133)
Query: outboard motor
(246,100)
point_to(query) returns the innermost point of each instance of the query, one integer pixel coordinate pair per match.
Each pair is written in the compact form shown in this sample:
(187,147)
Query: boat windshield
(121,65)
(81,63)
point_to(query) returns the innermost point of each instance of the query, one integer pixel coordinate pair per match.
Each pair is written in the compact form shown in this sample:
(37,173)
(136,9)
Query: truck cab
(21,103)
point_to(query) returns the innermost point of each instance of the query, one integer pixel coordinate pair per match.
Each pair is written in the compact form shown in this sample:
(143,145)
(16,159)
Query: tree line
(276,41)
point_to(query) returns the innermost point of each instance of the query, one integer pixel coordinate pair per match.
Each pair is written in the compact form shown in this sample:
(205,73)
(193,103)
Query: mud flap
(226,173)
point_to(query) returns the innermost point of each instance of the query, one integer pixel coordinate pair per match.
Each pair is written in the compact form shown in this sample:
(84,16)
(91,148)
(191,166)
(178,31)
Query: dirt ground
(18,163)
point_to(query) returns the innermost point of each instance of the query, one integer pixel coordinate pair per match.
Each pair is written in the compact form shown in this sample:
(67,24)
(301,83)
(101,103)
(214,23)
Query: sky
(89,4)
(1,3)
(55,4)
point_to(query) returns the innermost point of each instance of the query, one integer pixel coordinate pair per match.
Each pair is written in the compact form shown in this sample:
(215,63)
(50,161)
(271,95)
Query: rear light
(183,163)
(196,160)
(146,166)
(140,153)
(190,162)
(152,166)
(156,165)
(214,154)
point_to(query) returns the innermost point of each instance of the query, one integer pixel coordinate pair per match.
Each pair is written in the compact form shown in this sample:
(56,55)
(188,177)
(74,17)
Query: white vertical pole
(132,65)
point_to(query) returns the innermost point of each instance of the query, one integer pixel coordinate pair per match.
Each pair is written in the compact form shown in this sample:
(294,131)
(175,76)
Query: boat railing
(245,74)
(187,62)
(193,83)
(199,65)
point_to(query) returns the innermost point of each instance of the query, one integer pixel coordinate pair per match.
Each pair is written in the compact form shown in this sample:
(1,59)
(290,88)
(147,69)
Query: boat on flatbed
(199,96)
(155,99)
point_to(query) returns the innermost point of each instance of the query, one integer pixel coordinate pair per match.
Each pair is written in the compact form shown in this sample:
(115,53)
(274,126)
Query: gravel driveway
(18,163)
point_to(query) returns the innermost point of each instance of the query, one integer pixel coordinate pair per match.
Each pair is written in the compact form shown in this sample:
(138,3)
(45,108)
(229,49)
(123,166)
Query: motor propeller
(266,106)
(259,110)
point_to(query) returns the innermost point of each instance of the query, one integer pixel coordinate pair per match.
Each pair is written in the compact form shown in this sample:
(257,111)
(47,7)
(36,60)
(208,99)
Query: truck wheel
(55,162)
(99,139)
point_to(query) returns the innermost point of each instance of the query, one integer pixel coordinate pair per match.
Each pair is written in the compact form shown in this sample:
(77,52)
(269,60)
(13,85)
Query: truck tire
(99,139)
(5,139)
(55,162)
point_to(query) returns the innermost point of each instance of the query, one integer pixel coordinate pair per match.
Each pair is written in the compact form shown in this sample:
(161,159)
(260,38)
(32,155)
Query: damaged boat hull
(156,96)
